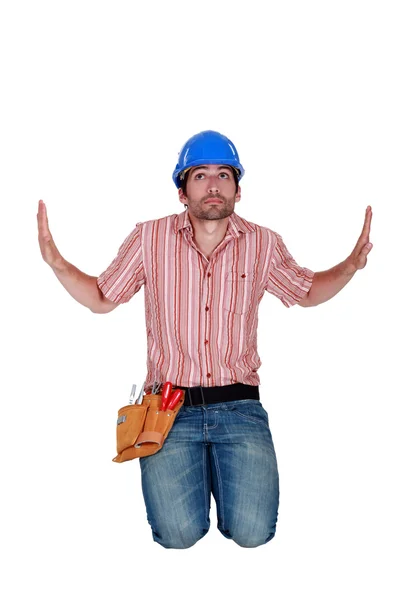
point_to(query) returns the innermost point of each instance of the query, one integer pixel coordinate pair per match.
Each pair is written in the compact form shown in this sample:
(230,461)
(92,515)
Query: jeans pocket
(184,413)
(252,412)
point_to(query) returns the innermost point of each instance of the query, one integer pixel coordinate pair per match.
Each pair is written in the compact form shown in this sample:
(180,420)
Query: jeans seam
(220,487)
(206,501)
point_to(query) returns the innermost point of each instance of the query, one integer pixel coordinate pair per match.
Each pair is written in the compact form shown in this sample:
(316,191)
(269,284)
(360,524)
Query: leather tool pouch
(143,428)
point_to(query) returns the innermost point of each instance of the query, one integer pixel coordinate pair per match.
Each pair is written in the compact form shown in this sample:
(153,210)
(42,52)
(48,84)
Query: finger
(364,237)
(367,248)
(43,220)
(367,223)
(362,259)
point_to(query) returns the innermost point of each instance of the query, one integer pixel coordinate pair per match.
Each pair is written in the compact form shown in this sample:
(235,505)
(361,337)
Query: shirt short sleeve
(125,275)
(286,280)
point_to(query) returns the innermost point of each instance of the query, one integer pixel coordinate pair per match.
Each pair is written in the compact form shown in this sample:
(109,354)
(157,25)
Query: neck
(209,231)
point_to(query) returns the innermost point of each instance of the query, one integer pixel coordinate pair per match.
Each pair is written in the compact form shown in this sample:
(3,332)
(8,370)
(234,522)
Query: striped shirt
(202,314)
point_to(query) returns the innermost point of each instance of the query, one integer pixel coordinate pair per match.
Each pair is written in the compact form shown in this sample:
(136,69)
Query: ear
(182,197)
(238,194)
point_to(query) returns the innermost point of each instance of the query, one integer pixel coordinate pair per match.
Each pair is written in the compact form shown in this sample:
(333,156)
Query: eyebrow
(227,168)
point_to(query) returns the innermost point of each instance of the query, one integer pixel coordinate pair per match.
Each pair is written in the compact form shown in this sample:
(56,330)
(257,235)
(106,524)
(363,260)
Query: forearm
(327,284)
(83,288)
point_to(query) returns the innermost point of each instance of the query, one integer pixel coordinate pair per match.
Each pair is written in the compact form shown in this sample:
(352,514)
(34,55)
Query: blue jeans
(222,449)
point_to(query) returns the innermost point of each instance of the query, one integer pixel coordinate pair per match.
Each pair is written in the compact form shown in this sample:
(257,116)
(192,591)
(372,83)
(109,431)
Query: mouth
(213,201)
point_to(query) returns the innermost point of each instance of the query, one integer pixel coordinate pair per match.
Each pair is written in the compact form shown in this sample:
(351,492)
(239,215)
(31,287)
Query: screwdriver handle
(165,394)
(175,398)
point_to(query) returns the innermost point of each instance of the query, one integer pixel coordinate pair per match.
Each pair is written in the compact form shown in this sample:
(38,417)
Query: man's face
(210,192)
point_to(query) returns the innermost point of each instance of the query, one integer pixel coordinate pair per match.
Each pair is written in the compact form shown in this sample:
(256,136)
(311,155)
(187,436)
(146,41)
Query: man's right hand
(48,248)
(82,287)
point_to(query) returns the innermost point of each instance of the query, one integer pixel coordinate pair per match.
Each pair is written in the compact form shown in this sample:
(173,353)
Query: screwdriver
(175,398)
(165,394)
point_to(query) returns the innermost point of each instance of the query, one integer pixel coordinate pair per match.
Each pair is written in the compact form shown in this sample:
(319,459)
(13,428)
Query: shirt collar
(236,224)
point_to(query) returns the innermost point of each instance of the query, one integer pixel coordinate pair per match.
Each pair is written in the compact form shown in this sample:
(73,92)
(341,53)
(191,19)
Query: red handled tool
(175,398)
(166,391)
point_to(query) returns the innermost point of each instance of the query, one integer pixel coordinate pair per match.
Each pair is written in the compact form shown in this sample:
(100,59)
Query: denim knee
(179,540)
(252,542)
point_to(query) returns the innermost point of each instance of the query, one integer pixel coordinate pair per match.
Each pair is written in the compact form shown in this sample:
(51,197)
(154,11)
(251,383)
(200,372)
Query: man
(204,273)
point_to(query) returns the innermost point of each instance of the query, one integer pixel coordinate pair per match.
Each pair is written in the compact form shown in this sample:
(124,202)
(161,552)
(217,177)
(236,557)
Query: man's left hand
(358,258)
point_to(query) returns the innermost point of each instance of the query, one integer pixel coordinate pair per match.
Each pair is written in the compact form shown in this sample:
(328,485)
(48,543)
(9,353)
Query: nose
(213,187)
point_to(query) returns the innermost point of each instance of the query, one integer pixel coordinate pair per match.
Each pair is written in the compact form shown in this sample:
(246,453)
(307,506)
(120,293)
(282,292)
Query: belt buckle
(202,396)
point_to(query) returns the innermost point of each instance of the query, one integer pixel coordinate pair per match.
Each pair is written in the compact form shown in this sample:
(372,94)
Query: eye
(198,175)
(224,175)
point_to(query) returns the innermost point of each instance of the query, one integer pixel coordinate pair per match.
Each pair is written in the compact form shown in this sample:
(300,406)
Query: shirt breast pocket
(238,291)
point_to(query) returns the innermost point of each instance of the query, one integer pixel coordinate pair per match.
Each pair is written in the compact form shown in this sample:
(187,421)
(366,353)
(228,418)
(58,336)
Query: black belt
(195,396)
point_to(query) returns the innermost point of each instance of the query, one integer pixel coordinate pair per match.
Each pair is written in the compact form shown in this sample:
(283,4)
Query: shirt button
(244,275)
(207,308)
(208,274)
(206,342)
(208,374)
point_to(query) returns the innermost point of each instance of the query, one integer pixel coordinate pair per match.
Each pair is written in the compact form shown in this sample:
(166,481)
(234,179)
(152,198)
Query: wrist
(348,267)
(60,265)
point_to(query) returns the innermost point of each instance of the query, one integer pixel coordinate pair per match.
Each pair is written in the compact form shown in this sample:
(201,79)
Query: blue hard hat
(206,148)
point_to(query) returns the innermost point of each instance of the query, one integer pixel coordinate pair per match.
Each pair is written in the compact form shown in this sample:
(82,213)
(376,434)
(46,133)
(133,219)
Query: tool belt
(142,428)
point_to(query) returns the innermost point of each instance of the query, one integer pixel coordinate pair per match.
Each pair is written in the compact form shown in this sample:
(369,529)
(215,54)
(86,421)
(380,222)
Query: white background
(97,99)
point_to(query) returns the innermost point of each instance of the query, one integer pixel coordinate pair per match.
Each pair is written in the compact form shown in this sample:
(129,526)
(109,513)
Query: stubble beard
(213,212)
